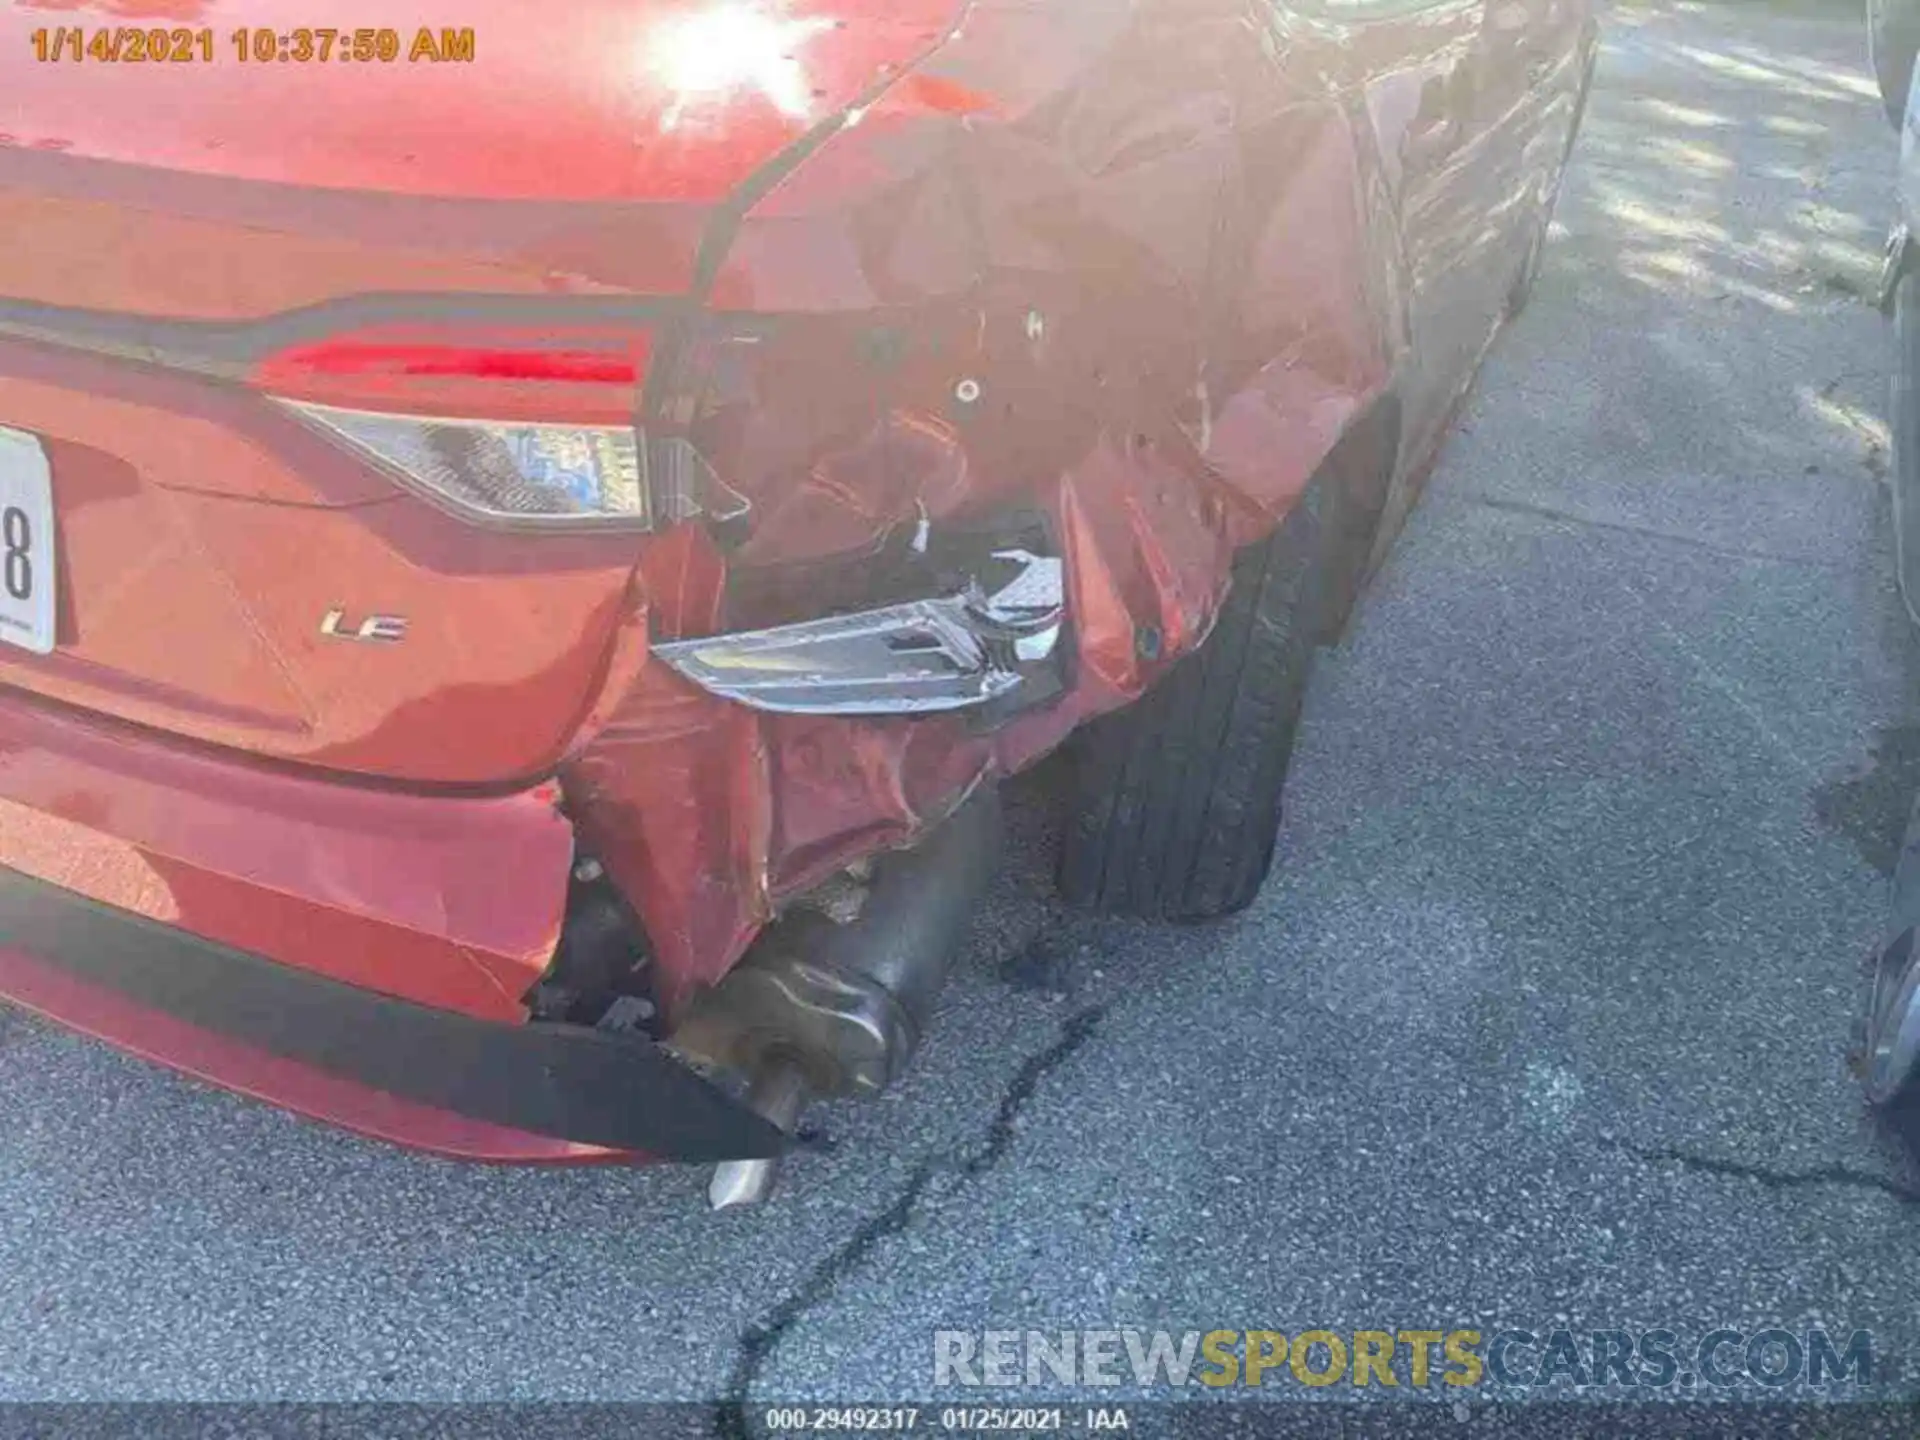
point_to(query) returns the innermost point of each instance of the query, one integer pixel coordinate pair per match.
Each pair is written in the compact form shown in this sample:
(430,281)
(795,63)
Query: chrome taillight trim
(925,656)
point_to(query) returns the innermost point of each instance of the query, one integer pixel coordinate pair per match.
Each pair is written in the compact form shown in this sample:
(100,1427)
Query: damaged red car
(523,562)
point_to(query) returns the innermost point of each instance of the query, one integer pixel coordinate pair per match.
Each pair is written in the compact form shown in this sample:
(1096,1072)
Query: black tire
(1363,466)
(1175,801)
(1893,38)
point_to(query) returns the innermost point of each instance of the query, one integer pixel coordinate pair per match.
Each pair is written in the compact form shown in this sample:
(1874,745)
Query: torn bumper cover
(141,883)
(569,1083)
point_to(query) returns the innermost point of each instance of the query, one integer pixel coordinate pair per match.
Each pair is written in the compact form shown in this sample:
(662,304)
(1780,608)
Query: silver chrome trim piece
(916,657)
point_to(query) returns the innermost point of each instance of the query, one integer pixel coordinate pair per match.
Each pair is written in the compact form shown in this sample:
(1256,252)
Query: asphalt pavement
(1542,1020)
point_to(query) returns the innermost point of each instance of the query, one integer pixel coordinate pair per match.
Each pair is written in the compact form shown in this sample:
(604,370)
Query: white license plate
(27,581)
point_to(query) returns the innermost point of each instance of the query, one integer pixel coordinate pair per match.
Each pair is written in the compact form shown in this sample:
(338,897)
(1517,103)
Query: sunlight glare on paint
(715,52)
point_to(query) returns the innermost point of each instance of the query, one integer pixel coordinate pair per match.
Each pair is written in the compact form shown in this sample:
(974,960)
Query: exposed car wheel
(1904,427)
(1893,1025)
(1891,1053)
(1175,801)
(1893,38)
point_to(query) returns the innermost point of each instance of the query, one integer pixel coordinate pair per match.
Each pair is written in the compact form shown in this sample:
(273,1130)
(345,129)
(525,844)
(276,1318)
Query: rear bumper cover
(142,882)
(594,1090)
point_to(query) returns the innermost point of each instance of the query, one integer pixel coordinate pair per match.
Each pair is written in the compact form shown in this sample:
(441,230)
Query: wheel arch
(1365,462)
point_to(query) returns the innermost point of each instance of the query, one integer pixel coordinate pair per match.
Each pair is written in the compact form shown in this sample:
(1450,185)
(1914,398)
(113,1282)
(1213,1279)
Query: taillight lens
(500,425)
(502,471)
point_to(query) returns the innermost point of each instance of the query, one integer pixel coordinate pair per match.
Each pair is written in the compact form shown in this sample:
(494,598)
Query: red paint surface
(1178,247)
(603,100)
(108,1016)
(448,901)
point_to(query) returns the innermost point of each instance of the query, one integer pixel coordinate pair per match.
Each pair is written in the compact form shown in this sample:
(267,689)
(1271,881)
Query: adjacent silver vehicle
(1892,1042)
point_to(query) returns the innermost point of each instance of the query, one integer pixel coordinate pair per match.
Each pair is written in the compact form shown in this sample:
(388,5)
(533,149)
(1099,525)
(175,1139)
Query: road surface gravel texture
(1542,1020)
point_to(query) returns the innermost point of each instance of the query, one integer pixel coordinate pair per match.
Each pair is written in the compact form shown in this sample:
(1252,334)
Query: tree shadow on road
(1753,175)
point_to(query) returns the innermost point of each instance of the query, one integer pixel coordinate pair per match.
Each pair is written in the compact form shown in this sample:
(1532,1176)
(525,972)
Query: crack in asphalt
(763,1336)
(1644,532)
(1775,1179)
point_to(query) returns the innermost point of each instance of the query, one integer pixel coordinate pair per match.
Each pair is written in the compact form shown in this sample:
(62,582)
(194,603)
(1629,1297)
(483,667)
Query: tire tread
(1176,801)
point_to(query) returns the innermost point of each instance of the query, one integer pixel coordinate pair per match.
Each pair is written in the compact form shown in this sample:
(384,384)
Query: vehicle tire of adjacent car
(1903,415)
(1890,1052)
(1893,38)
(1175,801)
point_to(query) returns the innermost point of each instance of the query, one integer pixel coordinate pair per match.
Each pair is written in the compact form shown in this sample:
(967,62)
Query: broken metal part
(845,1003)
(916,657)
(626,1014)
(840,897)
(601,972)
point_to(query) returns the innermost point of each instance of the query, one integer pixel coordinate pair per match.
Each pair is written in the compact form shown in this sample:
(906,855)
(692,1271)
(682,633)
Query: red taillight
(592,376)
(335,357)
(534,428)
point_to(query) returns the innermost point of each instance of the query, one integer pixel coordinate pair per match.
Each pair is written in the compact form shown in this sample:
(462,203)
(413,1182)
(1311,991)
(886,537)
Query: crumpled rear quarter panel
(1157,241)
